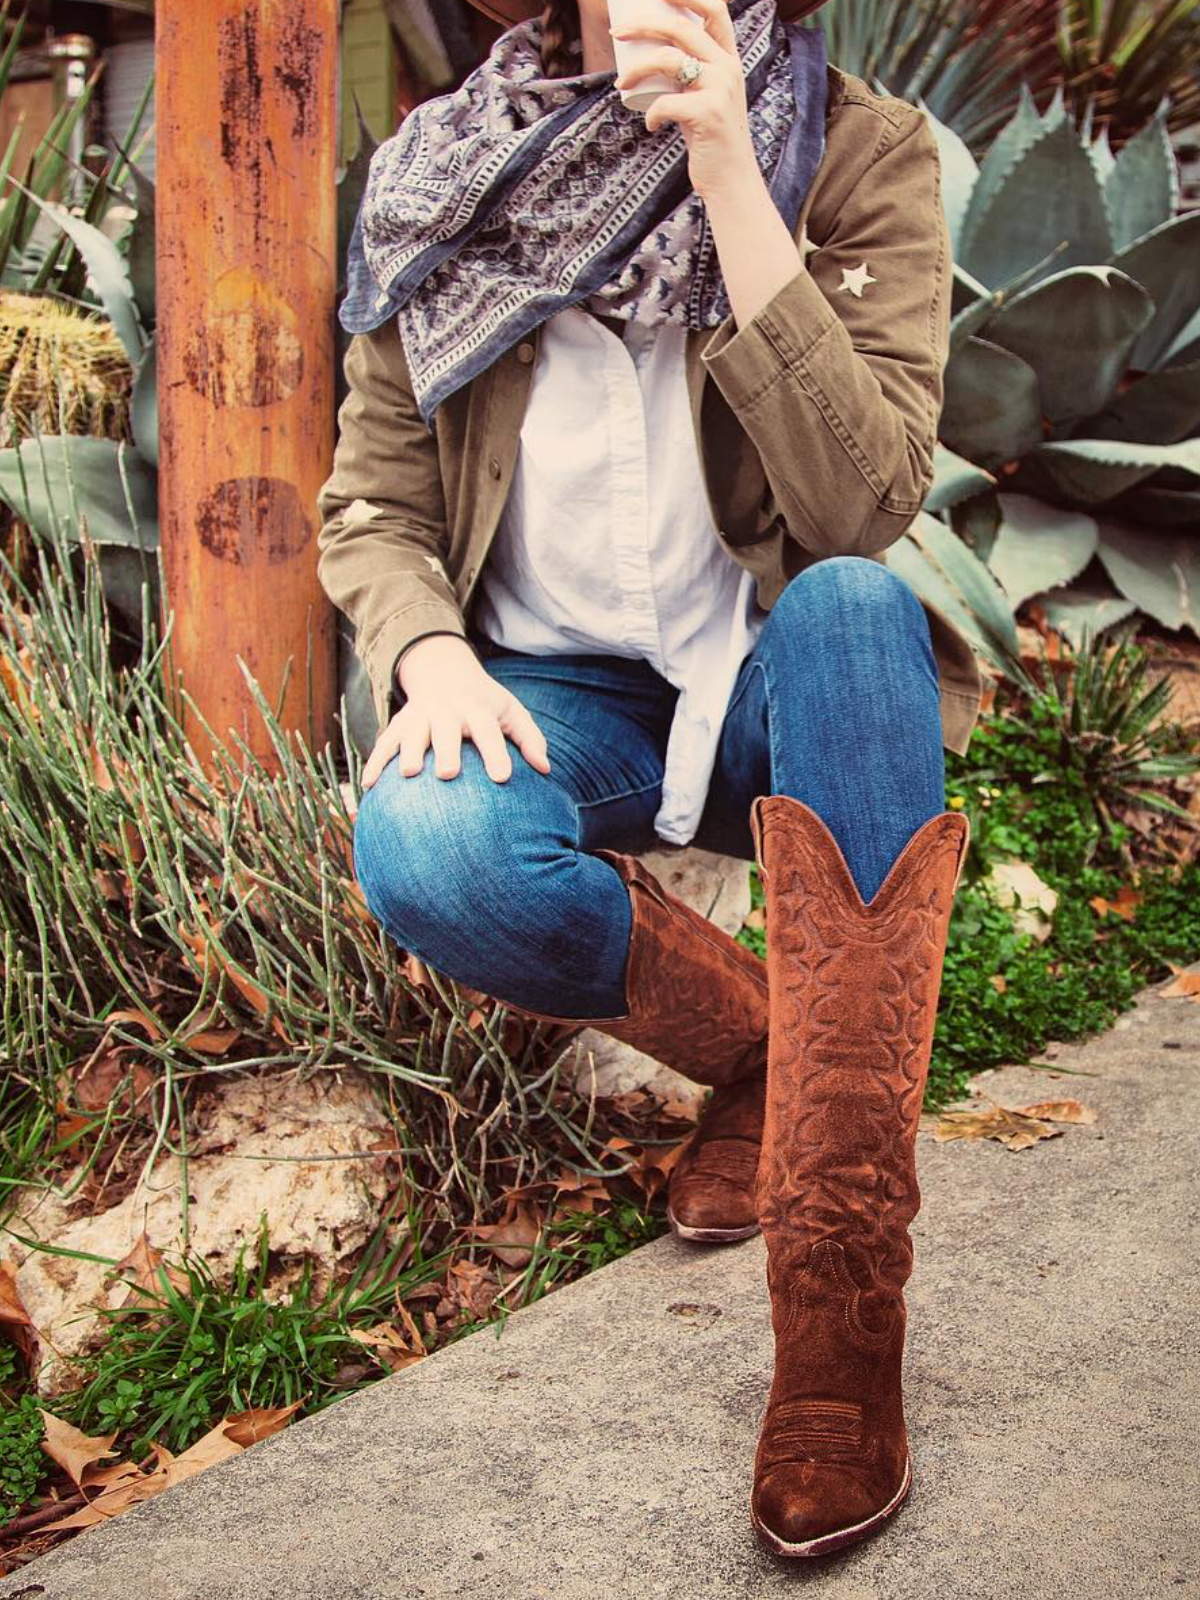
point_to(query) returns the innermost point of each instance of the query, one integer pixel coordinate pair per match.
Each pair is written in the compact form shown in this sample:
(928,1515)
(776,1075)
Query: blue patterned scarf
(495,206)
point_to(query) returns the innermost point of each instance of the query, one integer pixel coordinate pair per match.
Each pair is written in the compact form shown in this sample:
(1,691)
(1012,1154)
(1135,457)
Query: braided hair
(560,30)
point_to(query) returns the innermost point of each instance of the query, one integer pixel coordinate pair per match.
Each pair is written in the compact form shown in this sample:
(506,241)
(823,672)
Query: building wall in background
(35,99)
(128,67)
(369,71)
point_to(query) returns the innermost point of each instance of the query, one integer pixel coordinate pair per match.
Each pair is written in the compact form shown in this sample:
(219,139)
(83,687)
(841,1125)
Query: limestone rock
(262,1143)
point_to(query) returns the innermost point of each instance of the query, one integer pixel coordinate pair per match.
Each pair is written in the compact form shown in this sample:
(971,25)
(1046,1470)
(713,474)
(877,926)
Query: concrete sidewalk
(602,1448)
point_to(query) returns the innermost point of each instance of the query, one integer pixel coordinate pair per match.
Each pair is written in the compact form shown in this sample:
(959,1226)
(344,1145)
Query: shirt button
(524,354)
(494,467)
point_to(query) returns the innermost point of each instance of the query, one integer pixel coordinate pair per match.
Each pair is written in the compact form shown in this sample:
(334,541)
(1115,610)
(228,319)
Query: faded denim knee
(485,882)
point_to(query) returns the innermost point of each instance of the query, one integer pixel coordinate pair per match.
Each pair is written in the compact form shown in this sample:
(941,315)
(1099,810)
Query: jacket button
(524,354)
(494,467)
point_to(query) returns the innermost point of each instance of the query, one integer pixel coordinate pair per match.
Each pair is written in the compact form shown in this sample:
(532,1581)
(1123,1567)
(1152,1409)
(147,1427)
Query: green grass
(169,1369)
(571,1245)
(171,1366)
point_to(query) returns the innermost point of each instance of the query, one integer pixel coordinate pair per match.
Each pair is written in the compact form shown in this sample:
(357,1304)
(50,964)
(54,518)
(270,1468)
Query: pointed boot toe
(711,1197)
(711,1208)
(810,1508)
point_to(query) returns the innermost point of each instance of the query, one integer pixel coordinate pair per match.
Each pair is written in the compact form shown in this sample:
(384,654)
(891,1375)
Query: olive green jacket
(816,421)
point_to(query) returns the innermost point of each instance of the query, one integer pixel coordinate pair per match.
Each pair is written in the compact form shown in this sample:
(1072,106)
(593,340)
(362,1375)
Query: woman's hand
(448,694)
(757,253)
(712,111)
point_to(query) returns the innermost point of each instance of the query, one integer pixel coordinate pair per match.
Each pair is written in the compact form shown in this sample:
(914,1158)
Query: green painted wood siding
(368,71)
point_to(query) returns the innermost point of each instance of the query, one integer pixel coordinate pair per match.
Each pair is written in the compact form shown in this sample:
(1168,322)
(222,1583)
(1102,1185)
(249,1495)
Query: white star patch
(857,280)
(361,510)
(435,566)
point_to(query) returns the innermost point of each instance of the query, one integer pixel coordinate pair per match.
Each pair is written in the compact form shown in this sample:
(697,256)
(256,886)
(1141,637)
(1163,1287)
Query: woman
(636,405)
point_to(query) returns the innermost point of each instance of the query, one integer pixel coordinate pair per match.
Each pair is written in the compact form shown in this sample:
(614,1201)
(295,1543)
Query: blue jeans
(494,884)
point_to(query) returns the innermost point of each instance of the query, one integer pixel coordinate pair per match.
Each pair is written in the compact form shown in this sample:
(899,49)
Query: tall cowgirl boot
(696,1000)
(853,995)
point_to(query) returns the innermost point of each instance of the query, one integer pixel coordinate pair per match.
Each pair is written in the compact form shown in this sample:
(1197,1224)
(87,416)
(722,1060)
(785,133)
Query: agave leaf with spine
(1039,546)
(1096,309)
(1081,388)
(954,479)
(107,269)
(62,485)
(1084,610)
(1093,471)
(937,565)
(1003,235)
(1158,570)
(991,410)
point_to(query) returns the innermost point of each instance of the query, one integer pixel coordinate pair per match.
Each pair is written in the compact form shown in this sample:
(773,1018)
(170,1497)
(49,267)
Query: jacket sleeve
(841,391)
(383,539)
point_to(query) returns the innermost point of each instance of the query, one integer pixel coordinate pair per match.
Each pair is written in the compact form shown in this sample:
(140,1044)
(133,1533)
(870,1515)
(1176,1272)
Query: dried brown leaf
(260,1422)
(139,1019)
(1124,906)
(214,1447)
(141,1266)
(213,1041)
(12,1308)
(390,1346)
(95,1477)
(1058,1111)
(514,1237)
(1007,1126)
(71,1449)
(471,1288)
(101,1076)
(1185,985)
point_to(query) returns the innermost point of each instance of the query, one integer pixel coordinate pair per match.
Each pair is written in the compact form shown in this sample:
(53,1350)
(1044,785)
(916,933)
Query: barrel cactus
(1071,421)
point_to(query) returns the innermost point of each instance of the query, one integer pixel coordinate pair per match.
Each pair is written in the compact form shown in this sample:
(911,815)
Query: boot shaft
(696,999)
(853,998)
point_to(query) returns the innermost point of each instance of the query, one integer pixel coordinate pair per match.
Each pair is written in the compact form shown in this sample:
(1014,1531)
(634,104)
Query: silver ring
(688,71)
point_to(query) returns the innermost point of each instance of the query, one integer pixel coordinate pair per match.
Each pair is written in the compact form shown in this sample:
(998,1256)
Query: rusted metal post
(246,243)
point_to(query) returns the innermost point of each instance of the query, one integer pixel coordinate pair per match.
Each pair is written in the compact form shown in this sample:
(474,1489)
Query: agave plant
(968,61)
(1123,56)
(68,482)
(1072,400)
(1116,737)
(33,257)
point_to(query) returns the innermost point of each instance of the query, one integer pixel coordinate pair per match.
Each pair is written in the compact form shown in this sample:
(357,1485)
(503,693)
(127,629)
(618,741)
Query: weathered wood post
(246,243)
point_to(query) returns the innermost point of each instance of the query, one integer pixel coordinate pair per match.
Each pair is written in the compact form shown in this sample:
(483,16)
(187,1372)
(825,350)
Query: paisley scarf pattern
(497,205)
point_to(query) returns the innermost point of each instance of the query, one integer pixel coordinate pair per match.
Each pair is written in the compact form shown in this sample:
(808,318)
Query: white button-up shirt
(607,545)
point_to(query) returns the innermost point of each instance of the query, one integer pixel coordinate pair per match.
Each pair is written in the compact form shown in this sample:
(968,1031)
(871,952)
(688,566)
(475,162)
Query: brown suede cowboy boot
(710,1197)
(696,1001)
(854,991)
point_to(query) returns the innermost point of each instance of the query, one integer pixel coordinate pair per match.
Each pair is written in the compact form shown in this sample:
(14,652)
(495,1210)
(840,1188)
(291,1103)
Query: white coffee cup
(630,51)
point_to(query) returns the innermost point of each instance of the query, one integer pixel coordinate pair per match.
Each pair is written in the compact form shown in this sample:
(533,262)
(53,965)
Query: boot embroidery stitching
(853,997)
